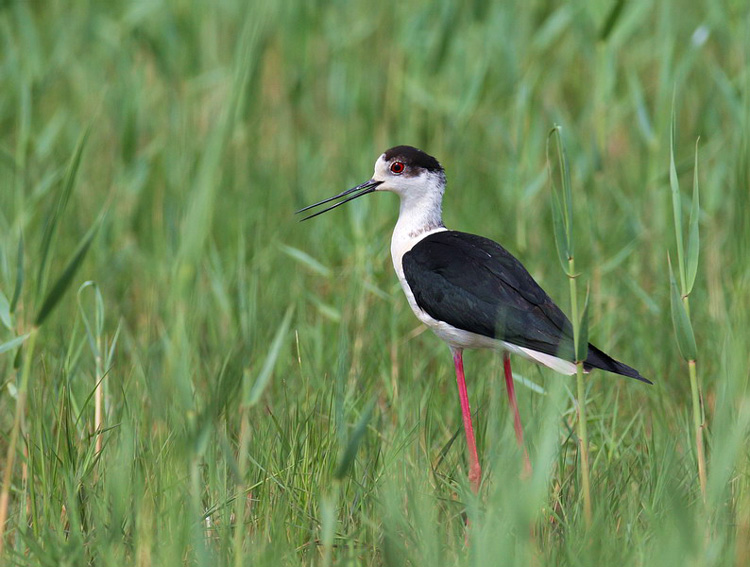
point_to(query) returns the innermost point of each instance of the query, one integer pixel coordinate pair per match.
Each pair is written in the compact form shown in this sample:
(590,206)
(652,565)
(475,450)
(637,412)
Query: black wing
(476,285)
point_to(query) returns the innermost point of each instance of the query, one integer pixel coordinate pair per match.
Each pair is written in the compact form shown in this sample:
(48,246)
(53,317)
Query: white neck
(420,214)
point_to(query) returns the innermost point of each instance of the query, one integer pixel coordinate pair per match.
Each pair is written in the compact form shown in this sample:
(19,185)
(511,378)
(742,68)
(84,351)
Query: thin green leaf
(112,345)
(306,260)
(13,343)
(641,109)
(560,210)
(676,203)
(5,311)
(328,521)
(612,17)
(19,277)
(561,237)
(567,191)
(350,453)
(566,207)
(682,327)
(62,283)
(693,244)
(49,228)
(618,258)
(92,332)
(261,381)
(17,360)
(582,351)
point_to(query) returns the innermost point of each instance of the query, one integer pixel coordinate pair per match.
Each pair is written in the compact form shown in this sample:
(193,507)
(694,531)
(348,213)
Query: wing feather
(476,285)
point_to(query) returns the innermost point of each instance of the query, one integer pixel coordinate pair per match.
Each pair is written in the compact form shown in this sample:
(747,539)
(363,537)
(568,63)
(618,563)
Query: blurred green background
(241,353)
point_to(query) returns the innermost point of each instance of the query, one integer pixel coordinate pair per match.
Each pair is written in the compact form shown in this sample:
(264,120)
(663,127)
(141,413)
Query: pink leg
(516,415)
(475,471)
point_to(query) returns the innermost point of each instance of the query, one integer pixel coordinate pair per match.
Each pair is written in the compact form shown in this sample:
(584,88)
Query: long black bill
(364,189)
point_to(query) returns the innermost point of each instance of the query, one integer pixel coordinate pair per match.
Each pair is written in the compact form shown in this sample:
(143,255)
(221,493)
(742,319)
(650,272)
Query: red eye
(397,167)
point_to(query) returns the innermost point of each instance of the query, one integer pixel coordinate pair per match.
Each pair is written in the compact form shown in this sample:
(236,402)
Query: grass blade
(561,237)
(5,311)
(567,188)
(71,173)
(19,277)
(261,381)
(582,339)
(645,121)
(612,17)
(306,260)
(63,282)
(13,343)
(676,204)
(693,244)
(566,207)
(561,211)
(682,327)
(93,332)
(328,522)
(350,453)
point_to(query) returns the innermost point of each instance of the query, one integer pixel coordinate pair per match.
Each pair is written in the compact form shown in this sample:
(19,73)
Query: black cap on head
(413,157)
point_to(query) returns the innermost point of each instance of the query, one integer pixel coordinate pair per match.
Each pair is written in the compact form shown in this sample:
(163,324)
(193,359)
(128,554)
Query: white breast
(401,243)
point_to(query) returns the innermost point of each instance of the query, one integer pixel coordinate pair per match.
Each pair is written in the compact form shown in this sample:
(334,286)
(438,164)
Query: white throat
(420,214)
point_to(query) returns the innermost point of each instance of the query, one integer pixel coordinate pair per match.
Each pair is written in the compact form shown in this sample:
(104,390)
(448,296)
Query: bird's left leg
(516,415)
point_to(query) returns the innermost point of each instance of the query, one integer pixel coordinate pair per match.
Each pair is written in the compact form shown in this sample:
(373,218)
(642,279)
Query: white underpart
(419,216)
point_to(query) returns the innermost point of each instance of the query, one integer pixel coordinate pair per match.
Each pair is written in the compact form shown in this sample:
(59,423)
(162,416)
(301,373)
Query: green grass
(241,352)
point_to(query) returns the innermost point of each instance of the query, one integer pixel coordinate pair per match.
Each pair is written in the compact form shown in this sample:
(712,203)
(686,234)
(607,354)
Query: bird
(469,290)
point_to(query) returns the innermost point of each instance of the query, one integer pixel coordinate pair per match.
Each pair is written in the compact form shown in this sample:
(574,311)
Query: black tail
(598,359)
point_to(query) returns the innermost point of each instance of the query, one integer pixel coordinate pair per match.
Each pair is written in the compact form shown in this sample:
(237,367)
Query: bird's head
(404,170)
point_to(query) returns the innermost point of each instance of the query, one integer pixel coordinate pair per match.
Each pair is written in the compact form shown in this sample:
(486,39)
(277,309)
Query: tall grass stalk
(581,393)
(96,344)
(687,258)
(563,224)
(698,425)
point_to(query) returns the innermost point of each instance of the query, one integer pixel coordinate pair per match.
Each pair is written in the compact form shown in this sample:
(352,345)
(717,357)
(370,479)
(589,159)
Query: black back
(476,285)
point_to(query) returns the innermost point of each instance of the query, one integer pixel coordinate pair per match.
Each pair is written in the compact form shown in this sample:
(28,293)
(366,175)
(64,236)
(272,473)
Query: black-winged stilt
(468,289)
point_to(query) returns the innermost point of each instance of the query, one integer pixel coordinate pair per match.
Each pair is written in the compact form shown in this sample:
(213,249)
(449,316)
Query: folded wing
(476,285)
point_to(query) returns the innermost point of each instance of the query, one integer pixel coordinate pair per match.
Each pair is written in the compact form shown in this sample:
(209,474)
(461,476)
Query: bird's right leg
(475,470)
(516,414)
